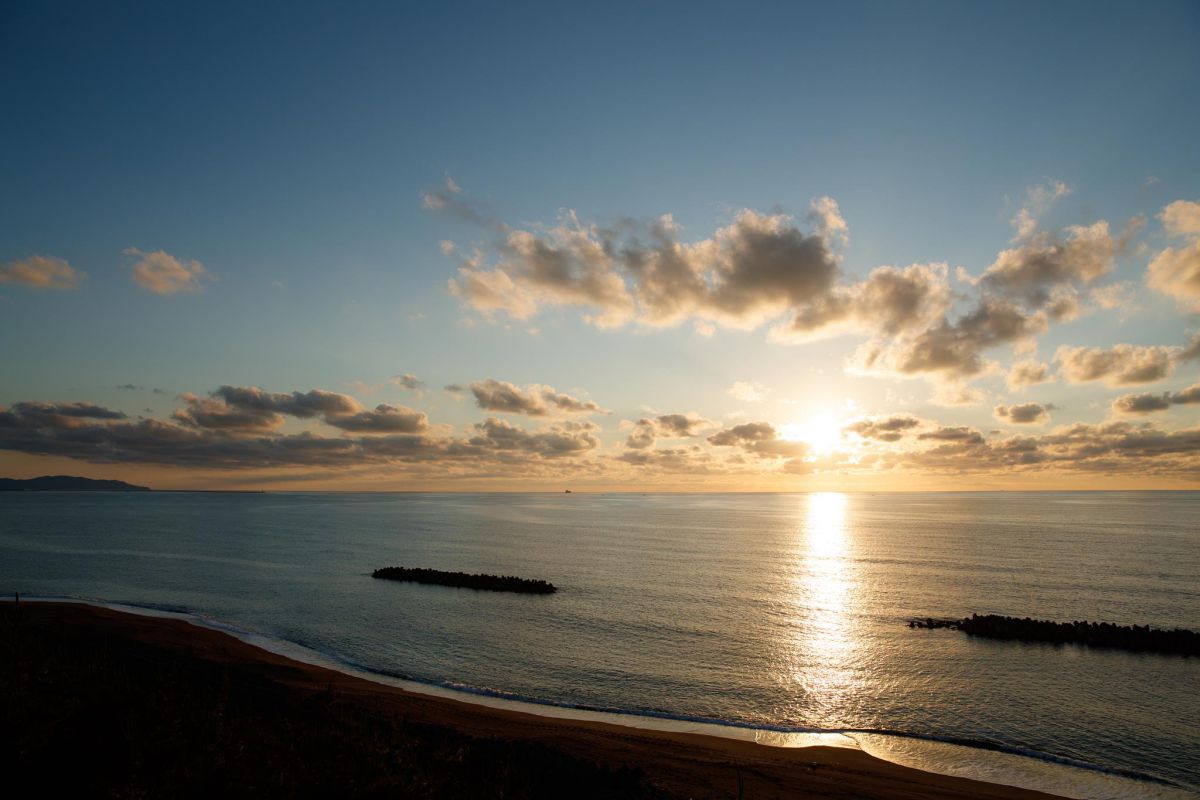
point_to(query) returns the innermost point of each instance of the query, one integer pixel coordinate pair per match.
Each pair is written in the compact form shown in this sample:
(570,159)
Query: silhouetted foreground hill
(97,703)
(66,483)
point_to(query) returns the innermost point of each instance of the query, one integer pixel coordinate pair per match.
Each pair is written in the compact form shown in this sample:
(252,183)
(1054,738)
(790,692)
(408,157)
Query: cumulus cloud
(830,224)
(382,419)
(1032,271)
(162,273)
(41,272)
(1028,373)
(746,272)
(760,439)
(665,426)
(884,429)
(1176,272)
(1023,413)
(534,400)
(951,350)
(890,301)
(1149,403)
(1121,365)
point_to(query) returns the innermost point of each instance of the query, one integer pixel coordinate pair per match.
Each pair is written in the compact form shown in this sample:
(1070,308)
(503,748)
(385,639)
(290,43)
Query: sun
(822,433)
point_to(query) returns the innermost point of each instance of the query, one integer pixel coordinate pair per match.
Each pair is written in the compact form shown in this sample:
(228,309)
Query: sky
(685,247)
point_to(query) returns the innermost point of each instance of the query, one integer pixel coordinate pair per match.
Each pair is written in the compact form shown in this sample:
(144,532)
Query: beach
(140,705)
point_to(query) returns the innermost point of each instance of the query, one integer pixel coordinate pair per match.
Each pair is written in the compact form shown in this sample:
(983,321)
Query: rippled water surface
(778,610)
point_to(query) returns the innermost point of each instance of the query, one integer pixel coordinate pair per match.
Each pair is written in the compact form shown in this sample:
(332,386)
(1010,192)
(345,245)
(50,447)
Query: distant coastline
(67,483)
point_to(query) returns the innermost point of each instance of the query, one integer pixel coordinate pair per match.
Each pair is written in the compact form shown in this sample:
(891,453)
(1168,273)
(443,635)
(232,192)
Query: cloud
(1176,272)
(100,435)
(957,434)
(570,438)
(1023,414)
(1149,403)
(884,429)
(760,439)
(1032,271)
(240,409)
(1190,351)
(1029,372)
(41,272)
(665,426)
(1121,365)
(1038,200)
(161,273)
(534,400)
(382,419)
(63,415)
(831,226)
(890,301)
(746,272)
(1181,218)
(748,392)
(407,381)
(951,350)
(449,198)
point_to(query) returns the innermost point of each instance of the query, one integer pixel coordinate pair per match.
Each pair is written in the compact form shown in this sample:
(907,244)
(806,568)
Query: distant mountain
(66,483)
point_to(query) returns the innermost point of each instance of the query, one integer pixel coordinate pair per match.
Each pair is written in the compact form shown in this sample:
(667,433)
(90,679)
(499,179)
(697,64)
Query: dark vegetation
(1138,638)
(88,712)
(491,583)
(66,483)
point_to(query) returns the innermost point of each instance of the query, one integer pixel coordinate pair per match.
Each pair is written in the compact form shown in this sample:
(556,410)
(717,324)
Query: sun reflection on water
(824,644)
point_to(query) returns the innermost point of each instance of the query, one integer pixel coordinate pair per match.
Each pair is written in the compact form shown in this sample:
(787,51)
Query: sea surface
(783,612)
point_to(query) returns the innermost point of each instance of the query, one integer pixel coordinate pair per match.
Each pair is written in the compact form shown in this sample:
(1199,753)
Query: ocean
(780,613)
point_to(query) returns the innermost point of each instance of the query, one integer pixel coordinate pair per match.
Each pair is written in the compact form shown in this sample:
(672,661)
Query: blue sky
(287,148)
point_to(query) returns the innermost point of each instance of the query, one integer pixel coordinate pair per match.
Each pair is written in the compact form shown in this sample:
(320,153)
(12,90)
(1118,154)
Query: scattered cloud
(1029,372)
(1176,272)
(1120,365)
(534,400)
(41,272)
(1023,414)
(1149,403)
(884,429)
(407,381)
(665,426)
(160,272)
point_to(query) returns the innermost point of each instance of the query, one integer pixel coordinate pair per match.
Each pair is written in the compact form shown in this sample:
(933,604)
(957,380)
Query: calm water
(771,610)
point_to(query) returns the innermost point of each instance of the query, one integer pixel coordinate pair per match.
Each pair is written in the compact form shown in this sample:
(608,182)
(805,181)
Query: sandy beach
(148,705)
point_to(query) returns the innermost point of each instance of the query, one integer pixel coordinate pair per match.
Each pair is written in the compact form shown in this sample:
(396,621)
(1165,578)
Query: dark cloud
(760,439)
(666,426)
(1023,413)
(61,415)
(1121,365)
(953,434)
(534,400)
(1033,270)
(952,350)
(884,429)
(129,387)
(1149,403)
(383,419)
(408,381)
(746,272)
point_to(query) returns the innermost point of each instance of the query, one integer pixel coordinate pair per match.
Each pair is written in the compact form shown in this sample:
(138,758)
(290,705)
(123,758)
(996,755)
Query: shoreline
(679,757)
(1002,768)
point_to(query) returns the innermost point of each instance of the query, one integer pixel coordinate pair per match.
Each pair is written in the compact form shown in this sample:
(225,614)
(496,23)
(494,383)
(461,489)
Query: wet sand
(68,665)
